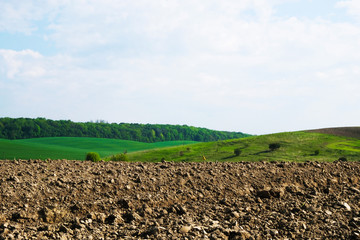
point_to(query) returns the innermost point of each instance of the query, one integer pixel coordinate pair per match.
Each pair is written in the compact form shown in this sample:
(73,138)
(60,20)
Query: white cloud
(20,16)
(352,6)
(153,26)
(21,64)
(193,62)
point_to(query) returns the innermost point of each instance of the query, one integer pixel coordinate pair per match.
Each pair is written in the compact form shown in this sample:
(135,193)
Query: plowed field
(353,132)
(61,199)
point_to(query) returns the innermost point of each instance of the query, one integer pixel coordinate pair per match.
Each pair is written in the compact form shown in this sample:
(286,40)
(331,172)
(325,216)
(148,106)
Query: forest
(23,128)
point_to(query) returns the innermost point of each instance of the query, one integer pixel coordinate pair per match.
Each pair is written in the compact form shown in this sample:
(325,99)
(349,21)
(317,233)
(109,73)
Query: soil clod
(61,199)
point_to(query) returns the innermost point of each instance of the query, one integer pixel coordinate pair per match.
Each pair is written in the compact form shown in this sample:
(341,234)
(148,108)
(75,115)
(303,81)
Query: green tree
(17,128)
(92,156)
(274,146)
(237,151)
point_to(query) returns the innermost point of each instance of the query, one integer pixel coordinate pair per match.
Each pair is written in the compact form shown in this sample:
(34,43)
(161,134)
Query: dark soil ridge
(353,132)
(61,199)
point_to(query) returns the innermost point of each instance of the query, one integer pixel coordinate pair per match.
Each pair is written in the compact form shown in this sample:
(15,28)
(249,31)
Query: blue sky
(258,67)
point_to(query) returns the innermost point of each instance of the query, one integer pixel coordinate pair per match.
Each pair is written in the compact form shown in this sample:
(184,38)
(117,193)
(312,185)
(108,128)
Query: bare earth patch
(62,199)
(353,132)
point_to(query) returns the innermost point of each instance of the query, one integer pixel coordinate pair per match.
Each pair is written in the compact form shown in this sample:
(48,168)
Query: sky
(254,66)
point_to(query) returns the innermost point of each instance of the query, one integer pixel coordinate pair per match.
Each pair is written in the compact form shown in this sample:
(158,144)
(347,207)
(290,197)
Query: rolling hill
(294,146)
(74,148)
(312,145)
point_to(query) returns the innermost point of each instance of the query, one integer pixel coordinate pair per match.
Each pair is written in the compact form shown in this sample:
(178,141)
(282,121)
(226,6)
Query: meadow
(294,146)
(74,148)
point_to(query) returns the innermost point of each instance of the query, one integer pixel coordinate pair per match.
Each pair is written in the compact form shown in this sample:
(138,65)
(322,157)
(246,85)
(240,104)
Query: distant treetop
(20,128)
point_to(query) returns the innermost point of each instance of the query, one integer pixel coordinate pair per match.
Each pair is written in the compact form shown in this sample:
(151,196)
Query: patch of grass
(173,153)
(295,146)
(11,149)
(122,157)
(346,146)
(73,147)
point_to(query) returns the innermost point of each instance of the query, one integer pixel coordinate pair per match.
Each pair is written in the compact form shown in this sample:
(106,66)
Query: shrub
(93,156)
(237,151)
(342,159)
(123,157)
(316,152)
(274,146)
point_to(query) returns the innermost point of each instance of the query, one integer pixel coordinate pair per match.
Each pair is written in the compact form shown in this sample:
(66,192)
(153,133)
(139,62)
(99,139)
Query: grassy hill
(72,147)
(294,146)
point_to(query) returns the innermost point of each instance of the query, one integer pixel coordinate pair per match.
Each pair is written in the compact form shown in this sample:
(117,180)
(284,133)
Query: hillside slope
(294,146)
(72,147)
(353,132)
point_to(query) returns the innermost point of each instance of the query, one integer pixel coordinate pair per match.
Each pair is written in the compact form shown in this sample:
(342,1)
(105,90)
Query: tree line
(21,128)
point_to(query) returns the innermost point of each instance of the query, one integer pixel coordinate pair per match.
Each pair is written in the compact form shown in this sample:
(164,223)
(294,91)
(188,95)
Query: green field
(73,147)
(295,146)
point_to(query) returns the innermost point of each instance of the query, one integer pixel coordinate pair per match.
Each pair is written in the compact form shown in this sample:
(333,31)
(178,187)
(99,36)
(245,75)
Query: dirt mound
(353,132)
(83,200)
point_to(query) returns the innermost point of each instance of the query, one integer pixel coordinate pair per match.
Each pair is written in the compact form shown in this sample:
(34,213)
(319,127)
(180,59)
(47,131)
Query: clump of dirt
(353,132)
(60,199)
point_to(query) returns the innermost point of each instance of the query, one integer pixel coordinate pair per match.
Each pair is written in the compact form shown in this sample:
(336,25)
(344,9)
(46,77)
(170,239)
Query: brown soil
(353,132)
(62,199)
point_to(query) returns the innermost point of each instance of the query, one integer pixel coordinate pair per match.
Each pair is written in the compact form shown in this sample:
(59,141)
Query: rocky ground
(60,199)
